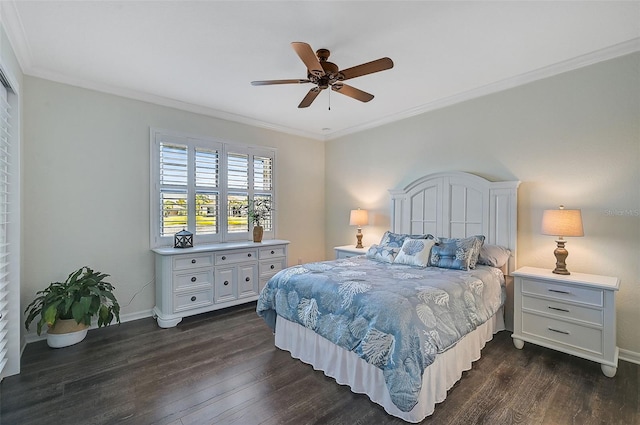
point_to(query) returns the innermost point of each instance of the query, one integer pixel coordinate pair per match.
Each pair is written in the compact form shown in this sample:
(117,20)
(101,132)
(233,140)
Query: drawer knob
(226,282)
(273,267)
(193,298)
(273,252)
(224,258)
(193,261)
(247,279)
(193,279)
(249,255)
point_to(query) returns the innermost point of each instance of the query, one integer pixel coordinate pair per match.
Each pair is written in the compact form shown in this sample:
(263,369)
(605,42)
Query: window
(9,227)
(204,186)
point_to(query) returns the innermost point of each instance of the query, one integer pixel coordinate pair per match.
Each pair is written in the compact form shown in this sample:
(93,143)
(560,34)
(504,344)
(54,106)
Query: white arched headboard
(458,205)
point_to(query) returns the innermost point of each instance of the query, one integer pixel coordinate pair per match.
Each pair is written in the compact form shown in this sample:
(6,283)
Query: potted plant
(68,307)
(259,210)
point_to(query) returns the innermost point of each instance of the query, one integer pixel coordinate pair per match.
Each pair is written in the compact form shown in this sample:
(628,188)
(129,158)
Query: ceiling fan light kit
(325,74)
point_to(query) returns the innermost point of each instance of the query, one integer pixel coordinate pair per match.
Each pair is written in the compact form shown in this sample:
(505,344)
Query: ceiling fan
(325,74)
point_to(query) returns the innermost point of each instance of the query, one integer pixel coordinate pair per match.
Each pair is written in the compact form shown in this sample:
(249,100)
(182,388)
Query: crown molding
(165,101)
(607,53)
(15,32)
(14,29)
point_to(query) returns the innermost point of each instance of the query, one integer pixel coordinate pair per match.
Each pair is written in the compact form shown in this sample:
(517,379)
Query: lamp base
(561,255)
(359,238)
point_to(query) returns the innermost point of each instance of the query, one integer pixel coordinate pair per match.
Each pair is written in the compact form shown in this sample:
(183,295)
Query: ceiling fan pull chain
(329,99)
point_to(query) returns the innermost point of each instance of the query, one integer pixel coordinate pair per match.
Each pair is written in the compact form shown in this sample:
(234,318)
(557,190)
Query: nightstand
(575,314)
(347,251)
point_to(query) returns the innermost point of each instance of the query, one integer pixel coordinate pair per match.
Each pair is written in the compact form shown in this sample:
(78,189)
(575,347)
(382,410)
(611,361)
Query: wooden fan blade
(353,92)
(367,68)
(269,82)
(307,55)
(309,98)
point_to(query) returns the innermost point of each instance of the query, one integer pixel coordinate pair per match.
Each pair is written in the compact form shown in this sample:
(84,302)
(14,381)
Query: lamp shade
(562,222)
(359,217)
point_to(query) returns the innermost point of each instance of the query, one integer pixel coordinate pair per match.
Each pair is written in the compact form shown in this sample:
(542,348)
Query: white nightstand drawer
(191,300)
(197,277)
(189,261)
(570,334)
(564,310)
(582,295)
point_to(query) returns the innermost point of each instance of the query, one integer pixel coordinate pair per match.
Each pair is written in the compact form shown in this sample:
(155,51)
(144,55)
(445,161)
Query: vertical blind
(5,252)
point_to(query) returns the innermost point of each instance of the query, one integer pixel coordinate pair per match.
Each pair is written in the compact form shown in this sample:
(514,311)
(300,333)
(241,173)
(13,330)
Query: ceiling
(202,55)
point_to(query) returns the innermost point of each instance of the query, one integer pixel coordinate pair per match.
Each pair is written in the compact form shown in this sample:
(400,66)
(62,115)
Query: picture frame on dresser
(574,314)
(209,277)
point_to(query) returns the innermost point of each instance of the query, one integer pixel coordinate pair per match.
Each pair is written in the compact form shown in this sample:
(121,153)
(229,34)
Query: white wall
(572,139)
(86,186)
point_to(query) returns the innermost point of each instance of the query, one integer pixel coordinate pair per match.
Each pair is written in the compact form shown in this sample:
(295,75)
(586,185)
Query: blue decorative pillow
(395,240)
(384,254)
(458,254)
(415,252)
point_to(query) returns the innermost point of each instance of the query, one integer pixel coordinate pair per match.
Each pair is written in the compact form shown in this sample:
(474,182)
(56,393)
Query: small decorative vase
(257,233)
(66,332)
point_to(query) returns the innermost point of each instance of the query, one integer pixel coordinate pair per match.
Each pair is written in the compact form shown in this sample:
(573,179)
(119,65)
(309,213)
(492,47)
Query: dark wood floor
(222,368)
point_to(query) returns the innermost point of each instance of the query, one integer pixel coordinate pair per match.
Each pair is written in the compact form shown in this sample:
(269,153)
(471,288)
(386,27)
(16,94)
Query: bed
(402,323)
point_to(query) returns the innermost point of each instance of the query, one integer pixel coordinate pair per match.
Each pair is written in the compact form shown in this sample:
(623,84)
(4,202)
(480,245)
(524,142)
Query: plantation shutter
(5,247)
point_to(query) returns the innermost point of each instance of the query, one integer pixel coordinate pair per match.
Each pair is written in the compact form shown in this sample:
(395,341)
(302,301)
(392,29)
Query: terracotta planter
(258,231)
(66,332)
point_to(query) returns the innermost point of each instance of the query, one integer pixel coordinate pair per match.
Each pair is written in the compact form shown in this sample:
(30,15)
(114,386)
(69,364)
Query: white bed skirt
(349,369)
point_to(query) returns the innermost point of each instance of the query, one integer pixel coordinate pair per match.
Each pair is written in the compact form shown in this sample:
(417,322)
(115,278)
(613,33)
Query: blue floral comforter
(395,317)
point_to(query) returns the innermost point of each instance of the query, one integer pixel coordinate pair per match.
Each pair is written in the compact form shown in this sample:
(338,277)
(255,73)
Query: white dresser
(575,314)
(209,277)
(347,251)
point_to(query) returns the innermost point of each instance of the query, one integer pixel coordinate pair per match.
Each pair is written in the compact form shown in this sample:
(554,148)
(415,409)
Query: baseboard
(629,356)
(33,335)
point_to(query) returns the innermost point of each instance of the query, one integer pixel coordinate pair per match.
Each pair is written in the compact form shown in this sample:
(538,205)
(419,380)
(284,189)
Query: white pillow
(415,252)
(494,255)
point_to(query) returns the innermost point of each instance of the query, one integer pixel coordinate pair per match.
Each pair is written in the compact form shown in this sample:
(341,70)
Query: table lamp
(562,223)
(359,218)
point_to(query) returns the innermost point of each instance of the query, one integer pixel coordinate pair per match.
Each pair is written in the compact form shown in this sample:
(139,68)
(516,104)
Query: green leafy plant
(259,210)
(83,295)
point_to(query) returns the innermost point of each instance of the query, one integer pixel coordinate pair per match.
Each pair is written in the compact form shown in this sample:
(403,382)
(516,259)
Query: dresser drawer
(269,268)
(188,261)
(194,299)
(197,277)
(558,291)
(236,257)
(569,334)
(564,310)
(275,251)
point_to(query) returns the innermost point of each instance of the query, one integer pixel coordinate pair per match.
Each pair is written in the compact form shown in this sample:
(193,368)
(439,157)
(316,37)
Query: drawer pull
(247,279)
(559,309)
(193,279)
(224,258)
(226,282)
(249,255)
(273,267)
(193,261)
(560,332)
(273,252)
(560,292)
(193,298)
